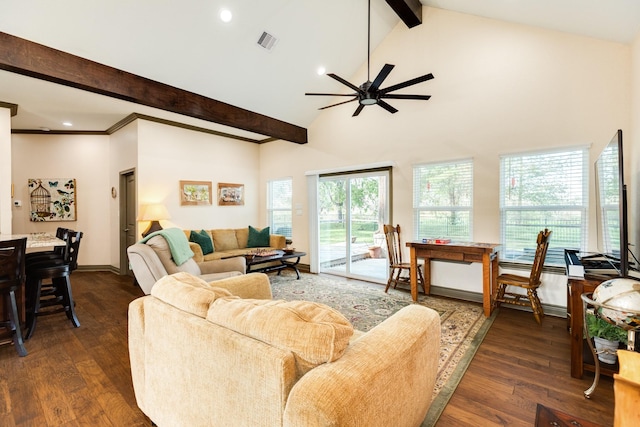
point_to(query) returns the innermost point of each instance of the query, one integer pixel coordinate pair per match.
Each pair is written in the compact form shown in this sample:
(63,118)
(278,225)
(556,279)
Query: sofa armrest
(198,255)
(146,266)
(386,377)
(238,263)
(277,241)
(250,286)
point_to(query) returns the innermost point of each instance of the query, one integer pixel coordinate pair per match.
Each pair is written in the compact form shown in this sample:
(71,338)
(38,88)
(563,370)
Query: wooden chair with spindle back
(530,283)
(396,266)
(12,278)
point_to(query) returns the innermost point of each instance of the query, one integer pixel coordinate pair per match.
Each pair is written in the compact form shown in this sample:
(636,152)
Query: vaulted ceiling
(184,46)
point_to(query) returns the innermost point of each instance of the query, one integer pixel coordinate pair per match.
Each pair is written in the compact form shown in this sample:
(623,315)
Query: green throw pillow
(203,239)
(258,239)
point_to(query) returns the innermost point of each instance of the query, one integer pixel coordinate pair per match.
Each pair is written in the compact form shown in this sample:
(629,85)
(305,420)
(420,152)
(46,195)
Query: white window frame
(569,164)
(282,208)
(420,206)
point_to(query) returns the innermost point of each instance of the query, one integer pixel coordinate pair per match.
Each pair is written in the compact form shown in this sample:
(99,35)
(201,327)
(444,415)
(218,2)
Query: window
(442,200)
(543,190)
(279,196)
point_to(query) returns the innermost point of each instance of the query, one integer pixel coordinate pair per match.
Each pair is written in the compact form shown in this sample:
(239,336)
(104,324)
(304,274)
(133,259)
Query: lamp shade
(155,212)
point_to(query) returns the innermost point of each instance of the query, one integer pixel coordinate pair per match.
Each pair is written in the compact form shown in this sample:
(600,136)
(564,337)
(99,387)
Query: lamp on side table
(154,214)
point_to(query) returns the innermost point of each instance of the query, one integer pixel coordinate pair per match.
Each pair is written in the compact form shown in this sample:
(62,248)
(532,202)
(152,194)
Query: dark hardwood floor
(80,377)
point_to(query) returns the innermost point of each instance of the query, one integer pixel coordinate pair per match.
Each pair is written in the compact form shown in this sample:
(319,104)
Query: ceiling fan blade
(360,107)
(332,94)
(392,96)
(407,83)
(339,103)
(344,82)
(387,107)
(381,76)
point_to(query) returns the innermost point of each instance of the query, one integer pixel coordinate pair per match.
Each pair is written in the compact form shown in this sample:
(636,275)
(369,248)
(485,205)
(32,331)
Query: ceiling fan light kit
(369,93)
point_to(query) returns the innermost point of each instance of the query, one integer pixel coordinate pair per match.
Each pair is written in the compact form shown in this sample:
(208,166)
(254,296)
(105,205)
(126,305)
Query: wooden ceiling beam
(31,59)
(410,11)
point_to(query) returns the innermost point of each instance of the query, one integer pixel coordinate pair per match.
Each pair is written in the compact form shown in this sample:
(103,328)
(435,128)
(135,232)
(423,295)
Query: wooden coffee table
(255,262)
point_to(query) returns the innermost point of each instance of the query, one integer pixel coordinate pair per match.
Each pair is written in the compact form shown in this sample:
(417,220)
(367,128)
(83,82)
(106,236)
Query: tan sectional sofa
(201,356)
(229,242)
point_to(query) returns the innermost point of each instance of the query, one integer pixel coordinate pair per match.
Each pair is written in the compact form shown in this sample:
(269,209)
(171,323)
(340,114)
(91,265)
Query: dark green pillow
(202,238)
(258,239)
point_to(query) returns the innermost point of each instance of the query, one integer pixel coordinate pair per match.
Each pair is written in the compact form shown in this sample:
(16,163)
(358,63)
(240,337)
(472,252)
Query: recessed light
(321,70)
(67,123)
(226,15)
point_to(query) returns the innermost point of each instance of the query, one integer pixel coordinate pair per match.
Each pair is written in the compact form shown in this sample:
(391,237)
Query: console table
(486,253)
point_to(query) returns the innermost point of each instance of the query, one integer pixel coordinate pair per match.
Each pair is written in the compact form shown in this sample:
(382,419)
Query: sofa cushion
(258,238)
(313,332)
(161,248)
(203,239)
(224,239)
(188,293)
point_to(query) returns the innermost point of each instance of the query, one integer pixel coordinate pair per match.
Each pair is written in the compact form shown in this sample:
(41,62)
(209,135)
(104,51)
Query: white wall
(83,157)
(168,154)
(123,156)
(498,88)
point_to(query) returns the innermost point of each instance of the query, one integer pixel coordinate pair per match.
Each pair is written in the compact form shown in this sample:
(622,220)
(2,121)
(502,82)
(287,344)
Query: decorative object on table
(52,199)
(230,194)
(193,193)
(263,252)
(607,338)
(153,213)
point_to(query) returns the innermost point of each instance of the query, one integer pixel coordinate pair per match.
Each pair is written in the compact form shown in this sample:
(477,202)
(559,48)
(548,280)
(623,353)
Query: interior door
(128,235)
(352,209)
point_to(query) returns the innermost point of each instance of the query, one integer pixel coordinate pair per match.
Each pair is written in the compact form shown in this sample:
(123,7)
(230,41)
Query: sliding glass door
(352,208)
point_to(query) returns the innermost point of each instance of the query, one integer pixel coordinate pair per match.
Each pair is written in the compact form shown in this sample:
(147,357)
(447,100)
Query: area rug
(366,305)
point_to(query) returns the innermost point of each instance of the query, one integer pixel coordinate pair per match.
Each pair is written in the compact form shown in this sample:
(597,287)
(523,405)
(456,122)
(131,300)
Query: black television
(611,206)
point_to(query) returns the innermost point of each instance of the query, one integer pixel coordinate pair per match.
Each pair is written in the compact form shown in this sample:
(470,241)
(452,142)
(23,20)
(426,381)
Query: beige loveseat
(202,357)
(230,242)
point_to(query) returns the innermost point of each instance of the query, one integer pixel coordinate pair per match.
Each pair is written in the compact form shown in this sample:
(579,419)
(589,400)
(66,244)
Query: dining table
(36,242)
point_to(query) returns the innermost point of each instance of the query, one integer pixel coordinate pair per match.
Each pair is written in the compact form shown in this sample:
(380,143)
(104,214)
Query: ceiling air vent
(267,41)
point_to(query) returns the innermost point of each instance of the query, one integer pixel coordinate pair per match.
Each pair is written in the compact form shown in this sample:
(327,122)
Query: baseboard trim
(549,309)
(109,268)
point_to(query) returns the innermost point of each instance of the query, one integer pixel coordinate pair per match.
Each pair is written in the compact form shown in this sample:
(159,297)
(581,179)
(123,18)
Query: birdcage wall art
(52,199)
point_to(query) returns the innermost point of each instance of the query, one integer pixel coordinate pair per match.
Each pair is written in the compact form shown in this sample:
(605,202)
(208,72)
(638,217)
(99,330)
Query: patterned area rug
(366,305)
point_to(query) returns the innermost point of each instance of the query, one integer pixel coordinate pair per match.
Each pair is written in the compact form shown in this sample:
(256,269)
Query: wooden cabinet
(581,357)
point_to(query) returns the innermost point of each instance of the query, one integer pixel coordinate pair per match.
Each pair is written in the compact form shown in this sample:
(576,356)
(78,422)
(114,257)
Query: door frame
(122,223)
(348,174)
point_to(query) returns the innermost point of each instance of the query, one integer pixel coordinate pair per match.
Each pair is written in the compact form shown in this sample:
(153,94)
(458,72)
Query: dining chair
(530,283)
(396,266)
(49,285)
(12,278)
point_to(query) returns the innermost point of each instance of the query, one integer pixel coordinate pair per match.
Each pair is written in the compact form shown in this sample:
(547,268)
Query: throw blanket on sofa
(178,244)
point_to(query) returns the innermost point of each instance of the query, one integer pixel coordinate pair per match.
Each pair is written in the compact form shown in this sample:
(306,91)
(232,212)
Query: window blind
(279,206)
(443,200)
(543,190)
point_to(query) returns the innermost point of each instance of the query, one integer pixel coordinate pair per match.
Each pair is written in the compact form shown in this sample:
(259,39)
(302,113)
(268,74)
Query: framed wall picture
(230,194)
(194,193)
(52,199)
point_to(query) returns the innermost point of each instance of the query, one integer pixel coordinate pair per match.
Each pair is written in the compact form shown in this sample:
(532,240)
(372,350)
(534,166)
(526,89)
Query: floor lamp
(154,214)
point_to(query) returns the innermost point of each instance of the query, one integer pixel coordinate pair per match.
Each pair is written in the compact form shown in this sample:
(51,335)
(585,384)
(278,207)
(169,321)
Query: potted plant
(607,338)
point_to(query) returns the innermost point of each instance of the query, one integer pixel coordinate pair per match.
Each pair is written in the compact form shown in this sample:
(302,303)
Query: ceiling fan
(369,93)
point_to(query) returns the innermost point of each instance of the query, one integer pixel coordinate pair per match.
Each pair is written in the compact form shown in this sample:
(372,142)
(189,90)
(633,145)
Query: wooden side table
(575,316)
